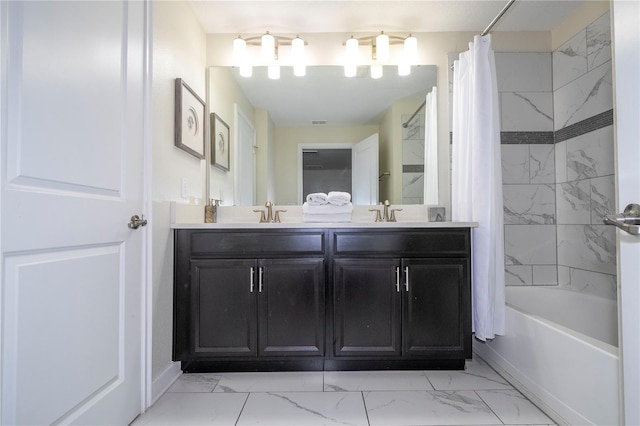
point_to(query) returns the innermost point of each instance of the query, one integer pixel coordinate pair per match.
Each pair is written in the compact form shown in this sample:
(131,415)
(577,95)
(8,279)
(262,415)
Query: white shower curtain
(431,148)
(476,173)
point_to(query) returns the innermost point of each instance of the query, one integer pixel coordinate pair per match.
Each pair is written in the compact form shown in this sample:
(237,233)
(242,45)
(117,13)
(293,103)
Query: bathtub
(560,350)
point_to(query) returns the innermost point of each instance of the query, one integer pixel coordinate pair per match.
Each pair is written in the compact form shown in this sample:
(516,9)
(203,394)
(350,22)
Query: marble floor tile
(477,375)
(512,407)
(195,382)
(270,382)
(342,381)
(194,409)
(304,408)
(427,408)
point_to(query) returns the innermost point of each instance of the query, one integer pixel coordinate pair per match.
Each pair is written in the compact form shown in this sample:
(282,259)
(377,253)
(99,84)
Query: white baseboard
(164,381)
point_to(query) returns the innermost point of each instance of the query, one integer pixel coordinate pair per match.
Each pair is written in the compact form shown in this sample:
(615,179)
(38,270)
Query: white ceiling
(305,101)
(313,16)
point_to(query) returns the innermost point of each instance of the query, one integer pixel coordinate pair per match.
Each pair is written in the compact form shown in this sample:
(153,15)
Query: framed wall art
(189,120)
(220,142)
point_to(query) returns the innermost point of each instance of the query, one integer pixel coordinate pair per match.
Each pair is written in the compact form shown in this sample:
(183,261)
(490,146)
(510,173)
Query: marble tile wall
(413,160)
(528,167)
(584,157)
(558,163)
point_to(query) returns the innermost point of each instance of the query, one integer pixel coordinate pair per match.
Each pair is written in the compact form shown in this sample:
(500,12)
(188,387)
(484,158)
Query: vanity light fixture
(269,56)
(381,53)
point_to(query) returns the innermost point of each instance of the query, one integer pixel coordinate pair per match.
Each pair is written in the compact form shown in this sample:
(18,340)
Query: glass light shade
(382,47)
(300,70)
(351,57)
(297,53)
(404,69)
(352,50)
(273,71)
(246,70)
(376,71)
(268,46)
(411,50)
(239,52)
(350,70)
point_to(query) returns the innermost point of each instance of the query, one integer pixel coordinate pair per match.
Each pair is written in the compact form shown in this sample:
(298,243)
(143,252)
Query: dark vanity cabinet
(313,299)
(247,299)
(402,295)
(231,297)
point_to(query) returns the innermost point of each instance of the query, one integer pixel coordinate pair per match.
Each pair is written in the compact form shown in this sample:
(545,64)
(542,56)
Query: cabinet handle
(260,279)
(398,279)
(406,276)
(251,288)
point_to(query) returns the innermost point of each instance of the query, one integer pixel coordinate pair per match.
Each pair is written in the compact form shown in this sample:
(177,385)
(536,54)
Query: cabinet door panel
(434,316)
(367,307)
(291,307)
(224,308)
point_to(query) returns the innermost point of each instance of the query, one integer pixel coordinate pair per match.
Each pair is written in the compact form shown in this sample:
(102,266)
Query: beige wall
(179,48)
(588,13)
(223,96)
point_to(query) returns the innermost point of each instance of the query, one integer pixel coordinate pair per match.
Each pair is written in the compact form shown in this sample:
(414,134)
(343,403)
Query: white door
(364,160)
(246,163)
(626,44)
(71,128)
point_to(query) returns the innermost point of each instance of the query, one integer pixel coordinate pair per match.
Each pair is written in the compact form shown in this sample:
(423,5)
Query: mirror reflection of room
(325,107)
(325,168)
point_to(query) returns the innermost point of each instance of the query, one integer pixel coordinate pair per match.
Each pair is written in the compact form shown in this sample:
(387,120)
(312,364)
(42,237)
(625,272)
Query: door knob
(628,221)
(137,221)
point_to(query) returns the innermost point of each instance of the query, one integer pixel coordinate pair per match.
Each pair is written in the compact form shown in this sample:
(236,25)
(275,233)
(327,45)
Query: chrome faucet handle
(263,219)
(378,217)
(392,218)
(276,217)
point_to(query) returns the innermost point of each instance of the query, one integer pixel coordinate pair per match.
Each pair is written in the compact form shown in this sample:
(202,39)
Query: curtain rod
(497,18)
(404,125)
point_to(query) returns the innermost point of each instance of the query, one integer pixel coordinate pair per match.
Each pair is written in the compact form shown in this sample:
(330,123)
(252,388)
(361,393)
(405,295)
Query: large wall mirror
(276,123)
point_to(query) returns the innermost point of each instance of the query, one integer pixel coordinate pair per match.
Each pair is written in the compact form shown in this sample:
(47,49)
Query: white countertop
(255,225)
(186,216)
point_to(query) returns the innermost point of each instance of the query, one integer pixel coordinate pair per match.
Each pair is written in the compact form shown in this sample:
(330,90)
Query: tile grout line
(366,412)
(242,409)
(489,407)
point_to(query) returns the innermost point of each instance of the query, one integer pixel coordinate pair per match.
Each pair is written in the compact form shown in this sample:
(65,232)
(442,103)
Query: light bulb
(297,52)
(268,46)
(404,69)
(350,70)
(273,71)
(411,50)
(246,70)
(351,57)
(382,47)
(352,49)
(376,71)
(239,51)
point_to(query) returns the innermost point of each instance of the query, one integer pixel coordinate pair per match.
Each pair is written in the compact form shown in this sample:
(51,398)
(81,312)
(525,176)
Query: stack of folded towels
(332,207)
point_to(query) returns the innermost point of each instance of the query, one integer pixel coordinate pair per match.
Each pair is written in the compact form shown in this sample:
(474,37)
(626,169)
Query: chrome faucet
(269,217)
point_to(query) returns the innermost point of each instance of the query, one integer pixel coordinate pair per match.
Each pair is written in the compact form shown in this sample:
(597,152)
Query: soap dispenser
(211,211)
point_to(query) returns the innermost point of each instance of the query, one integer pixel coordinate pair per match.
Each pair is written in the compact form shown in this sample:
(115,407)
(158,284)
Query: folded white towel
(317,198)
(338,198)
(326,208)
(327,218)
